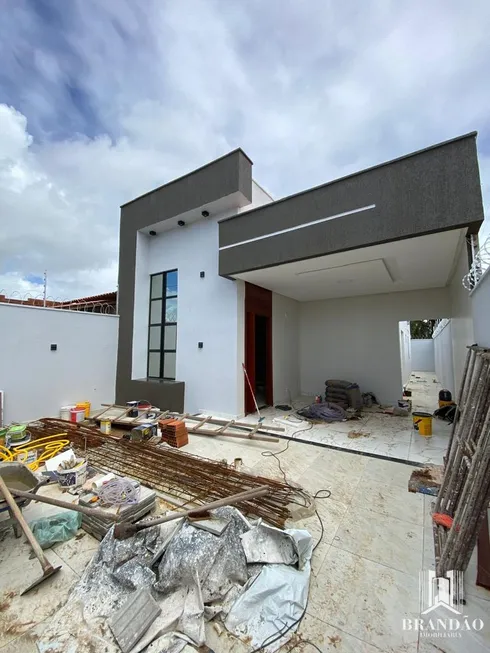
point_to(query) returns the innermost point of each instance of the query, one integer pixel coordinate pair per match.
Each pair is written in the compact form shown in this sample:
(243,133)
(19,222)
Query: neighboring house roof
(106,298)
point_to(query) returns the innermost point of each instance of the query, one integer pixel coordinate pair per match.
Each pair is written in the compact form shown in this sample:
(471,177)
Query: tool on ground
(261,419)
(124,530)
(92,512)
(48,569)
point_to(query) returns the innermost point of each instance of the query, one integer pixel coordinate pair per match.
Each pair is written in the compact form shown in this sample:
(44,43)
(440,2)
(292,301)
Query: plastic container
(86,407)
(422,422)
(134,408)
(77,414)
(73,477)
(65,413)
(105,426)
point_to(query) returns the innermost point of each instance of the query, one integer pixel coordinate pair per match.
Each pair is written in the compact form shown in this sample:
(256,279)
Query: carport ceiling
(412,264)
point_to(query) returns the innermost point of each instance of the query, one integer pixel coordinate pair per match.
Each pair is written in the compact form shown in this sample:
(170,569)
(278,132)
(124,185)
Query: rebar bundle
(465,489)
(184,476)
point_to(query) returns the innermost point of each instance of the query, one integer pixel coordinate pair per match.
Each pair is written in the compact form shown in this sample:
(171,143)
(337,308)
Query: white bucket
(65,412)
(73,477)
(77,414)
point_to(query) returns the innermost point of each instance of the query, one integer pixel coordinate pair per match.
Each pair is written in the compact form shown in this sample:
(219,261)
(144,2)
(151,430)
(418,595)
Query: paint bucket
(422,422)
(105,426)
(86,407)
(73,477)
(134,408)
(77,414)
(65,413)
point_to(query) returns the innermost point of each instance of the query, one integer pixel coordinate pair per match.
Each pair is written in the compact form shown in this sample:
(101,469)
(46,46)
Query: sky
(103,100)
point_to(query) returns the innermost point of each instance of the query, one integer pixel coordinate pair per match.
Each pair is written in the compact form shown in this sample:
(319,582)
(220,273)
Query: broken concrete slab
(133,619)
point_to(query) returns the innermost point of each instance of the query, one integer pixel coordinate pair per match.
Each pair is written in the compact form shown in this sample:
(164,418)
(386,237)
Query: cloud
(104,101)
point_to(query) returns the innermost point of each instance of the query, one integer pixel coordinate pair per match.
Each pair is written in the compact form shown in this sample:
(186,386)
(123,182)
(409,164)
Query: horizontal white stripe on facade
(300,226)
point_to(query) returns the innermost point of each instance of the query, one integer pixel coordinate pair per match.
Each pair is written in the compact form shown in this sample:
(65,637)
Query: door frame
(258,301)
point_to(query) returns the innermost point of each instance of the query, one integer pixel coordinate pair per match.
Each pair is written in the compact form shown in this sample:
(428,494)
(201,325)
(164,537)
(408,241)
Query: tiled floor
(376,432)
(365,569)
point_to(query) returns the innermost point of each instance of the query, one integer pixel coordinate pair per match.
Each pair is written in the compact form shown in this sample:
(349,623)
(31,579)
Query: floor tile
(469,641)
(23,612)
(25,643)
(383,539)
(365,599)
(78,551)
(328,638)
(338,472)
(389,500)
(393,449)
(429,558)
(331,514)
(388,473)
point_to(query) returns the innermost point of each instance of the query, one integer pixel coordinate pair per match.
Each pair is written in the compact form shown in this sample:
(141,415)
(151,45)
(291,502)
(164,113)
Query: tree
(422,329)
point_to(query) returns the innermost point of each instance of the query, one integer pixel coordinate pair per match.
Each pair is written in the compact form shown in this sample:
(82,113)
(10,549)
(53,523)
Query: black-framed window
(162,325)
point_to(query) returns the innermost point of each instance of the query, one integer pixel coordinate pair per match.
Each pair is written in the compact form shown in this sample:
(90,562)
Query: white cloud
(124,96)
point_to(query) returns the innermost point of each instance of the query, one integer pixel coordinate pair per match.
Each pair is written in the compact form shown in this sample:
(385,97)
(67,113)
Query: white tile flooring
(380,434)
(377,537)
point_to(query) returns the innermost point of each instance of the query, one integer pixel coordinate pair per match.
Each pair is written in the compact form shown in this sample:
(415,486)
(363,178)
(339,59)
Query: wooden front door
(258,347)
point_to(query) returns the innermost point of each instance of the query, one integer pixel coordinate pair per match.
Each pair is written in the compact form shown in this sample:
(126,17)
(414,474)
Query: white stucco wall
(443,355)
(461,317)
(405,350)
(423,355)
(208,311)
(38,381)
(480,306)
(358,339)
(259,197)
(285,348)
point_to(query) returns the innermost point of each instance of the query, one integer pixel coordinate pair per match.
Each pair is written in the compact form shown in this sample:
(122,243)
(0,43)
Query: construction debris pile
(180,584)
(180,476)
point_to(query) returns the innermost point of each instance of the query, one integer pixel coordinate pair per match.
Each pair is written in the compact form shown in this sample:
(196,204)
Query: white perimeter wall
(358,339)
(480,304)
(461,317)
(38,381)
(405,351)
(423,355)
(443,358)
(285,349)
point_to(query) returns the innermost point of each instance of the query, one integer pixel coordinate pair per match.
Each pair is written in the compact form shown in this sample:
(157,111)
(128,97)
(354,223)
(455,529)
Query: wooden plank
(239,425)
(102,411)
(243,436)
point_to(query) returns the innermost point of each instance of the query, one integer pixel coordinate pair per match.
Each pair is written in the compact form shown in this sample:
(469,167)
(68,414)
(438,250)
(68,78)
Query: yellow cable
(5,454)
(51,449)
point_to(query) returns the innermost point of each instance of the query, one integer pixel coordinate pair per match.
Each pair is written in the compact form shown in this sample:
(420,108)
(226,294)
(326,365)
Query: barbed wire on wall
(481,262)
(57,303)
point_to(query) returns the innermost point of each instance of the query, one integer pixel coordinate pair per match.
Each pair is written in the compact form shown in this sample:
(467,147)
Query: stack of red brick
(174,432)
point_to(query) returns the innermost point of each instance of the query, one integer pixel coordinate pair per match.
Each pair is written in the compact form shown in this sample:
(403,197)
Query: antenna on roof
(45,285)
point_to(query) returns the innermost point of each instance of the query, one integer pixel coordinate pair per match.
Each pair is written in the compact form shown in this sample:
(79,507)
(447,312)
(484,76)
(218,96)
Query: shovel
(48,569)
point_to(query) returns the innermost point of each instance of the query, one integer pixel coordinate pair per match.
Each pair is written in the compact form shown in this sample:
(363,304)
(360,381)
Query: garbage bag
(57,528)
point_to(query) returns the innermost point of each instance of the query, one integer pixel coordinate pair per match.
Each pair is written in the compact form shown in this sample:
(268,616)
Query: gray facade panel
(220,178)
(166,395)
(435,190)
